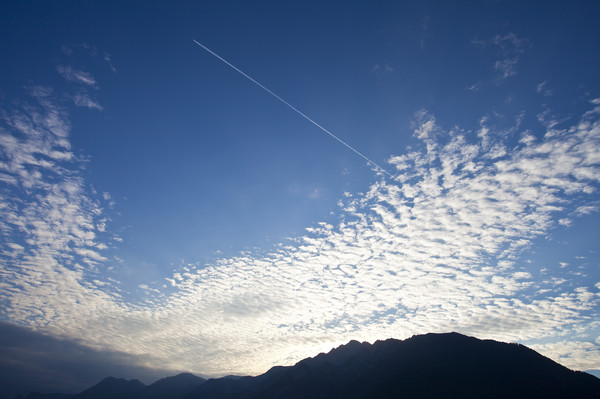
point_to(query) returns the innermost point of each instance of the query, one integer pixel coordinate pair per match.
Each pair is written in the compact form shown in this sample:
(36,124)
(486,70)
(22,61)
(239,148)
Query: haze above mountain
(424,366)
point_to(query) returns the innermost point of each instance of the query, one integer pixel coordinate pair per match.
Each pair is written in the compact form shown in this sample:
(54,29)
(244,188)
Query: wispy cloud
(506,67)
(474,87)
(72,48)
(425,25)
(84,100)
(381,69)
(90,50)
(75,75)
(509,48)
(543,89)
(310,191)
(586,210)
(510,43)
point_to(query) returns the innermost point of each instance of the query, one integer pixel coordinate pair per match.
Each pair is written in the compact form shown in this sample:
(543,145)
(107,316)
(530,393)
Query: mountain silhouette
(173,387)
(424,366)
(116,388)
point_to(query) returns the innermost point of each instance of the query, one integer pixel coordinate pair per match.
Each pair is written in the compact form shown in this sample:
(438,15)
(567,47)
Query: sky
(160,212)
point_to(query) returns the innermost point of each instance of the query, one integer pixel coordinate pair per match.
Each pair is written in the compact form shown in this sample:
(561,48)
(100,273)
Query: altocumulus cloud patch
(436,248)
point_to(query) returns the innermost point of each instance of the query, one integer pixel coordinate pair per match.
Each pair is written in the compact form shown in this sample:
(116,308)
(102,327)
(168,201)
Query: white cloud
(509,49)
(510,43)
(50,216)
(383,68)
(507,67)
(316,193)
(432,254)
(90,50)
(84,100)
(424,125)
(474,87)
(542,89)
(586,210)
(577,355)
(436,249)
(565,222)
(75,75)
(108,60)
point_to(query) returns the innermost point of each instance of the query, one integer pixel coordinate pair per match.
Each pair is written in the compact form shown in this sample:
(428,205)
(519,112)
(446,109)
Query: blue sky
(158,204)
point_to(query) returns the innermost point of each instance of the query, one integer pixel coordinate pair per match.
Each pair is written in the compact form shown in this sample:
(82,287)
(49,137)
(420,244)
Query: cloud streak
(84,100)
(77,76)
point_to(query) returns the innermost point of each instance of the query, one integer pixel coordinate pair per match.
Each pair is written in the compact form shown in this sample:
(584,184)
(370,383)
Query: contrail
(292,107)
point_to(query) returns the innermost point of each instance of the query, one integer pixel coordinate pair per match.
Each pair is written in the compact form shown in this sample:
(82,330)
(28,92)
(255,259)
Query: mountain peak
(112,387)
(173,386)
(118,381)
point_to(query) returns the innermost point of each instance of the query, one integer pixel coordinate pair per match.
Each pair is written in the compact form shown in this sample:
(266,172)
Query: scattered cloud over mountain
(437,248)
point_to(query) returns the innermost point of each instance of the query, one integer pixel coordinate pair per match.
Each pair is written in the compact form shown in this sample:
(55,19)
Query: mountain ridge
(447,365)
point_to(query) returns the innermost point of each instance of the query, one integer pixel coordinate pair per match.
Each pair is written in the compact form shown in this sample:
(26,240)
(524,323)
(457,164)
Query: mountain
(173,387)
(114,388)
(424,366)
(110,387)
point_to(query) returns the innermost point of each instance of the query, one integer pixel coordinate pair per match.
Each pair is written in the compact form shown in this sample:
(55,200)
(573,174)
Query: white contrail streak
(292,107)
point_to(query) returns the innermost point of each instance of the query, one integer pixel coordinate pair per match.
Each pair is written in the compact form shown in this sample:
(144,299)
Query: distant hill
(118,388)
(173,387)
(424,366)
(115,388)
